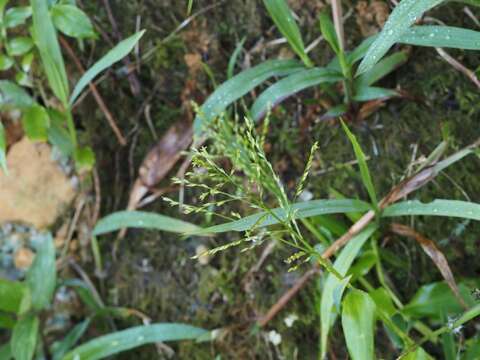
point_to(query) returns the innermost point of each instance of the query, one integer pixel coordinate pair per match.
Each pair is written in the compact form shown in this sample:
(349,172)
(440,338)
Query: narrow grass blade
(362,162)
(403,16)
(328,31)
(60,348)
(368,93)
(289,86)
(46,40)
(3,149)
(24,337)
(381,69)
(447,208)
(358,323)
(442,36)
(114,55)
(143,220)
(342,264)
(233,59)
(238,86)
(283,18)
(42,275)
(120,341)
(300,210)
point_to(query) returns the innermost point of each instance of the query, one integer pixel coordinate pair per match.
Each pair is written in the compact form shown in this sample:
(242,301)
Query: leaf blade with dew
(381,69)
(46,41)
(143,220)
(362,162)
(3,149)
(341,265)
(289,86)
(358,323)
(403,16)
(439,207)
(283,18)
(42,275)
(24,337)
(111,57)
(368,93)
(238,86)
(442,36)
(120,341)
(300,210)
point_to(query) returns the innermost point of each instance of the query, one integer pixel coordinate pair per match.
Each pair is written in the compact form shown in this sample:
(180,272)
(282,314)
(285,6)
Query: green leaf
(57,134)
(381,69)
(472,349)
(300,210)
(363,264)
(341,265)
(442,36)
(117,342)
(367,93)
(36,122)
(5,350)
(19,46)
(17,15)
(3,150)
(233,59)
(24,337)
(328,31)
(447,208)
(11,294)
(47,43)
(13,96)
(6,62)
(362,162)
(403,16)
(238,86)
(84,158)
(336,111)
(289,86)
(60,348)
(113,56)
(383,301)
(72,21)
(358,322)
(418,354)
(142,220)
(433,300)
(283,18)
(41,277)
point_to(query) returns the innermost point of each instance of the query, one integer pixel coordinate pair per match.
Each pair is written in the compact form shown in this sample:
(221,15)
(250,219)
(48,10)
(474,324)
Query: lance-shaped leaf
(358,323)
(342,264)
(238,86)
(114,55)
(47,43)
(283,18)
(368,93)
(143,220)
(403,16)
(13,96)
(117,342)
(447,208)
(289,86)
(300,210)
(24,337)
(381,69)
(442,36)
(42,275)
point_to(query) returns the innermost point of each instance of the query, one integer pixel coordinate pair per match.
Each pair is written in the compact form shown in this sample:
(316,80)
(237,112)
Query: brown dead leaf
(435,254)
(36,190)
(194,63)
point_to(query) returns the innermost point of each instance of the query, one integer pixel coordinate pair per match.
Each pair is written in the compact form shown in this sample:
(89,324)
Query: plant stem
(337,14)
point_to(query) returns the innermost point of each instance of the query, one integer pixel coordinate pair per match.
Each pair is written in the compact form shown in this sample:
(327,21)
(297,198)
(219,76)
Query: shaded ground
(154,273)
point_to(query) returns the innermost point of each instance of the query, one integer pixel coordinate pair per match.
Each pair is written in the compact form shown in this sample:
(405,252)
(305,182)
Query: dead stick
(98,98)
